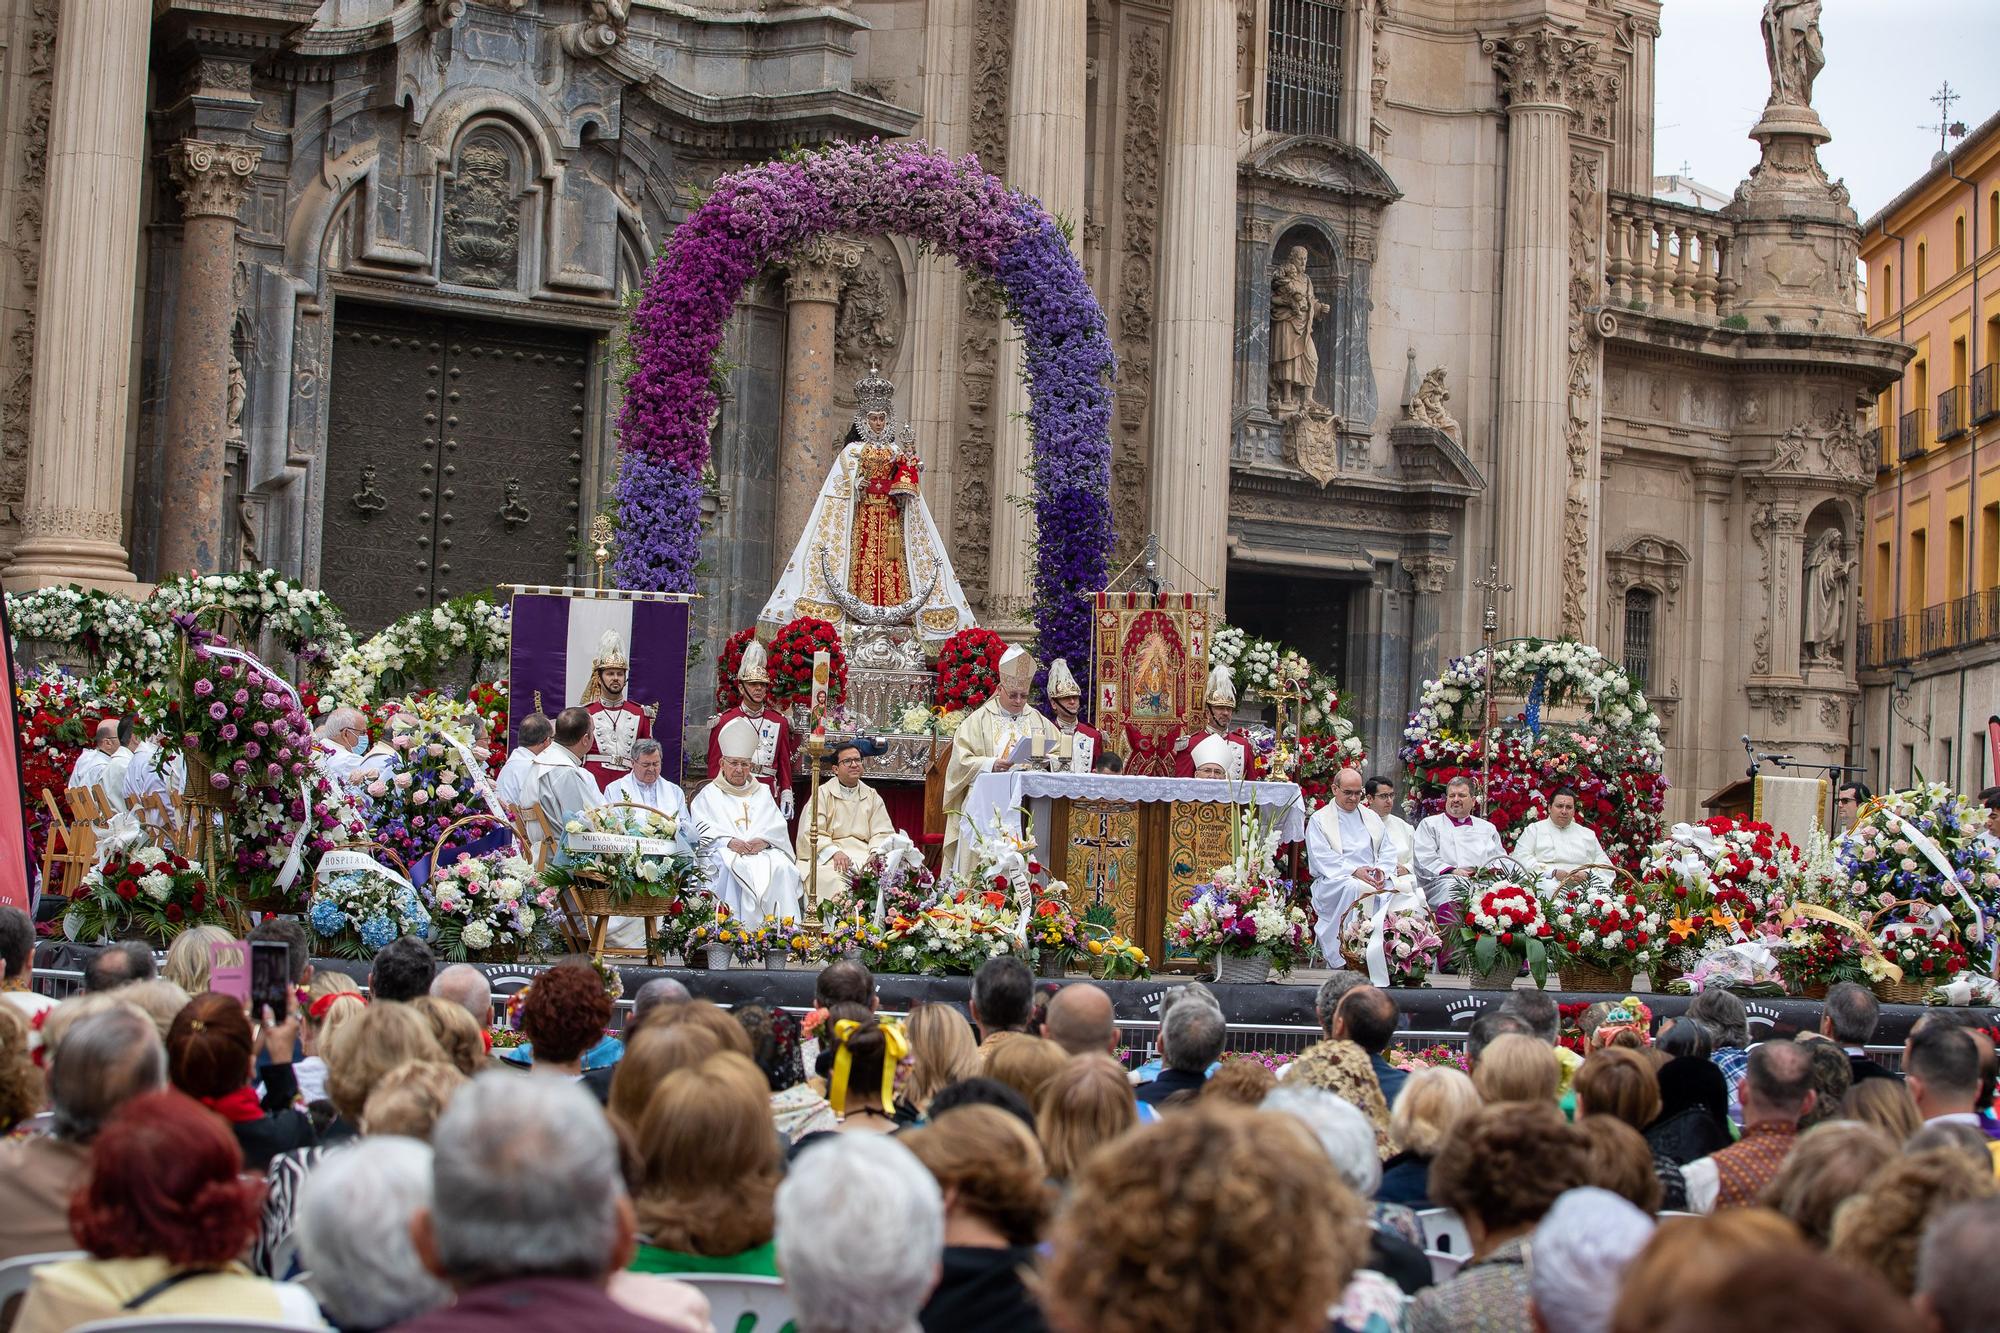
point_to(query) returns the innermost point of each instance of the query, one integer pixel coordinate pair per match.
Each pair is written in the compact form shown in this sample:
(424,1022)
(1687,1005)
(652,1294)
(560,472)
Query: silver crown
(874,392)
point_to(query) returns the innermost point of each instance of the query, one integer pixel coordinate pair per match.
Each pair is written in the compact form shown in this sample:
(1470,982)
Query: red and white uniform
(615,729)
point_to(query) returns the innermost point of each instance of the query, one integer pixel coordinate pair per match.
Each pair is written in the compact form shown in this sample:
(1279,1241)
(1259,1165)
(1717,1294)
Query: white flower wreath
(1449,705)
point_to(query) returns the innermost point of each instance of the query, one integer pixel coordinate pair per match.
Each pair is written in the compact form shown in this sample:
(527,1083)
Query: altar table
(1141,845)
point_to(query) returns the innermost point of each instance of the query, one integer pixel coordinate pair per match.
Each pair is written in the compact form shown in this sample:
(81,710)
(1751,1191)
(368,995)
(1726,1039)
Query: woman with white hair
(1348,1137)
(860,1235)
(1581,1249)
(354,1234)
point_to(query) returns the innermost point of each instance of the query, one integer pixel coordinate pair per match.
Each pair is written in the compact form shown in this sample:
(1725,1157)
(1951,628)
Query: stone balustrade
(1671,257)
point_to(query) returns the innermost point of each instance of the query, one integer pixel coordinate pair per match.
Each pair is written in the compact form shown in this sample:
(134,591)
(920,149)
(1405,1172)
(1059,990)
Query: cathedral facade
(334,286)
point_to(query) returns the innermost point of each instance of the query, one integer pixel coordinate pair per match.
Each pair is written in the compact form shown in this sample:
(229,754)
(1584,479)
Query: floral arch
(1611,754)
(760,215)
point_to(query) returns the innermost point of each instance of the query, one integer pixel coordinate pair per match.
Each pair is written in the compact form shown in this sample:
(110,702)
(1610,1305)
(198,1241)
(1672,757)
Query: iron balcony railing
(1910,436)
(1985,395)
(1961,623)
(1951,413)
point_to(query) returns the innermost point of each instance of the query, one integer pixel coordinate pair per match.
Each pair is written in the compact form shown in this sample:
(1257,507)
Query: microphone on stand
(1751,751)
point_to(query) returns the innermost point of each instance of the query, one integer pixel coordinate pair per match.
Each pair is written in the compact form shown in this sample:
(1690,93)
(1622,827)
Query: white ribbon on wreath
(288,873)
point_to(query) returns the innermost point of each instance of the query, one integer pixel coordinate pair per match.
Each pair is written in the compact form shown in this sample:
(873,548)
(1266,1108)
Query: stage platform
(1282,1009)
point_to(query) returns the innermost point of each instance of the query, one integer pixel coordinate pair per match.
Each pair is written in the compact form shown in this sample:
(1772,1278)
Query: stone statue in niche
(1295,311)
(1793,50)
(1427,407)
(1828,570)
(239,394)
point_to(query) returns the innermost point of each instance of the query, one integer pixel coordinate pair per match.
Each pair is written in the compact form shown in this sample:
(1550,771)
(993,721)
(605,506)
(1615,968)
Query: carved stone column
(1429,573)
(808,435)
(71,515)
(193,532)
(1045,158)
(1537,65)
(1197,270)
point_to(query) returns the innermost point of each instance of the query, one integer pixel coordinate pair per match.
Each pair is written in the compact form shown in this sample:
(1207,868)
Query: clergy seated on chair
(1350,854)
(1560,845)
(334,744)
(985,739)
(851,819)
(1379,795)
(516,783)
(755,871)
(1220,705)
(562,785)
(90,764)
(1452,841)
(646,785)
(772,762)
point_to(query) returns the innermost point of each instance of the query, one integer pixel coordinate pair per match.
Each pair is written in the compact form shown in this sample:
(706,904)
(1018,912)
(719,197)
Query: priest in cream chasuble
(985,739)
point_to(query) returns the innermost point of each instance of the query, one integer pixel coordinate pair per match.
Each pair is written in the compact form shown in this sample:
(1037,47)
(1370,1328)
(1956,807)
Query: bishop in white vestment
(1559,845)
(851,819)
(1349,853)
(755,872)
(1457,839)
(983,742)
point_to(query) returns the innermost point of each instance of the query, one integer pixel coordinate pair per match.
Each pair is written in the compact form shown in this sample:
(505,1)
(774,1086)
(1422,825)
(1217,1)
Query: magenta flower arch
(760,215)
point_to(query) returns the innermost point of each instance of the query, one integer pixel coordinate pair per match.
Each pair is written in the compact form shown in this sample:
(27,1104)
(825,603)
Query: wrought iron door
(454,459)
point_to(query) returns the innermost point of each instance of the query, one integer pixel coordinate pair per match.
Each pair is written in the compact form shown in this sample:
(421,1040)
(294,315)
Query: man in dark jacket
(1191,1037)
(1849,1016)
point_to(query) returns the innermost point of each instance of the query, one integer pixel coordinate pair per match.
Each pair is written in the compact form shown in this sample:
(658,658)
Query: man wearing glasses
(1847,803)
(851,818)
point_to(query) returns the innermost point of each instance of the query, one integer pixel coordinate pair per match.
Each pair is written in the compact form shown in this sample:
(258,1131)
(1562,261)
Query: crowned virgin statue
(870,554)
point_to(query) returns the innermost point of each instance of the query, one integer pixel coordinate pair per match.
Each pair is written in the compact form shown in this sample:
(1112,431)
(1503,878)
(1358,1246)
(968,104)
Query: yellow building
(1930,572)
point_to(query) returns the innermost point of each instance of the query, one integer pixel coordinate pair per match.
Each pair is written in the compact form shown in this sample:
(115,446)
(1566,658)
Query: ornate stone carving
(482,219)
(1847,453)
(868,327)
(603,29)
(1792,50)
(1832,713)
(1427,405)
(1296,311)
(37,35)
(1540,64)
(1828,569)
(1586,211)
(1654,563)
(817,269)
(239,393)
(1315,164)
(1429,572)
(1312,442)
(1139,213)
(442,14)
(213,176)
(1780,703)
(92,524)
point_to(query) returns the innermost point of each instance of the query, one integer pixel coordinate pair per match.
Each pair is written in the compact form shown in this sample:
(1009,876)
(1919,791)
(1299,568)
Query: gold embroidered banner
(1151,666)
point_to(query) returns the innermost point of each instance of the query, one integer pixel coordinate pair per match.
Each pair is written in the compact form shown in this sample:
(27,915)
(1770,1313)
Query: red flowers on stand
(968,669)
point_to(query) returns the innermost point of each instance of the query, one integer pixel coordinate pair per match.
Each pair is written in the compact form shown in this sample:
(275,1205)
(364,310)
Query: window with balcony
(1302,76)
(1918,570)
(1641,606)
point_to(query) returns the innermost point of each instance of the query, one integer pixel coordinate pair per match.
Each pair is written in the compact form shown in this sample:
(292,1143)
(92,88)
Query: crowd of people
(365,1160)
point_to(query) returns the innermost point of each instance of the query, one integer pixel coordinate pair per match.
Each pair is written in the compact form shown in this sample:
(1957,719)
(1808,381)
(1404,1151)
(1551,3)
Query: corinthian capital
(1541,64)
(213,176)
(819,267)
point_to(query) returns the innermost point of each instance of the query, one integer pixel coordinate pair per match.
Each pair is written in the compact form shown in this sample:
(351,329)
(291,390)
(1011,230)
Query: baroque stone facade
(391,365)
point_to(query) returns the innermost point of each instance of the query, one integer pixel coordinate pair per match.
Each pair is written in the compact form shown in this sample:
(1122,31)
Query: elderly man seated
(741,829)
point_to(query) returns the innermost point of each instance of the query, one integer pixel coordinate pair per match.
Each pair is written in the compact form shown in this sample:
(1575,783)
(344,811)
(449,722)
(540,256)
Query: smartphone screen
(270,978)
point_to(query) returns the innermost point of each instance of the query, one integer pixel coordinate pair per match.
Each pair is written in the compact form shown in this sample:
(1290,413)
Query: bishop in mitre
(755,872)
(843,825)
(987,737)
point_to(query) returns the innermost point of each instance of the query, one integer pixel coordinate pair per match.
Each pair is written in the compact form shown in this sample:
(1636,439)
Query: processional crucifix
(1489,632)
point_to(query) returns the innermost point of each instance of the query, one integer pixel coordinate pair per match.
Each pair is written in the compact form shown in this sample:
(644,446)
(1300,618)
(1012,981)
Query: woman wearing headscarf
(774,1047)
(1694,1111)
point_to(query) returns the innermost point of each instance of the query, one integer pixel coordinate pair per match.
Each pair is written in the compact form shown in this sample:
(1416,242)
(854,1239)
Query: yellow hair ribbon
(896,1048)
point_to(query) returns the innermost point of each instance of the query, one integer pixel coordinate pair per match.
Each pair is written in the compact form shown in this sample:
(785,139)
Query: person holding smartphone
(212,1057)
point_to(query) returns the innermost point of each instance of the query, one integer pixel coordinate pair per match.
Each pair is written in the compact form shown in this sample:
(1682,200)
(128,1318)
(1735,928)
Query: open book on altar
(1077,752)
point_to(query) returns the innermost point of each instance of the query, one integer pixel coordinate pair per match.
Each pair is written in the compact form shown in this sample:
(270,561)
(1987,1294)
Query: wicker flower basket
(1901,992)
(1500,978)
(718,956)
(1814,990)
(1581,976)
(1235,970)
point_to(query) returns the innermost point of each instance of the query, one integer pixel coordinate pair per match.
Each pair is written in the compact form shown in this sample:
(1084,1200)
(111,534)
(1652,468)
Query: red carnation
(1506,937)
(174,912)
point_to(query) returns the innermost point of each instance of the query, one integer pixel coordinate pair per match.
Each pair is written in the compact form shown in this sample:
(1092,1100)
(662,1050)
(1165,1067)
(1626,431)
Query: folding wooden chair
(532,826)
(79,839)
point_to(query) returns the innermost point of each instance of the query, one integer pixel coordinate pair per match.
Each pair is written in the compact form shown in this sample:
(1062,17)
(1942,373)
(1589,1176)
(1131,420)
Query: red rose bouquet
(727,663)
(792,662)
(147,889)
(968,669)
(489,699)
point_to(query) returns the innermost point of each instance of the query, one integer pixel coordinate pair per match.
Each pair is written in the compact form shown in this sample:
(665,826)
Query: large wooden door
(454,459)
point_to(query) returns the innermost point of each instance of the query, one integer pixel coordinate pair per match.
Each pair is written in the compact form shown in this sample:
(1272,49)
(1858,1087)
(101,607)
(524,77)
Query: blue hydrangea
(326,917)
(378,931)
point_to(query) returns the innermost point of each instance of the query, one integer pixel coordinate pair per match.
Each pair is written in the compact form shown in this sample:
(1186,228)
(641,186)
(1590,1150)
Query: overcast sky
(1884,59)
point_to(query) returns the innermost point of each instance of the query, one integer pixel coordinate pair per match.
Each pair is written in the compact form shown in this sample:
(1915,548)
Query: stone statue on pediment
(1793,50)
(1827,572)
(1295,311)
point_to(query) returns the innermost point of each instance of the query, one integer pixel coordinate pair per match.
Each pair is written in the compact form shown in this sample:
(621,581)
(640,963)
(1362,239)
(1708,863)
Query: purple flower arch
(761,214)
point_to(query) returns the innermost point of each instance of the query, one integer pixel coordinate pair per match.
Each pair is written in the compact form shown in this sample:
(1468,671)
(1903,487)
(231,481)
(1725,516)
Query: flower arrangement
(1923,845)
(792,650)
(839,938)
(1053,931)
(1411,946)
(435,782)
(1615,928)
(1502,924)
(1817,955)
(905,890)
(789,934)
(488,698)
(1114,957)
(1929,955)
(954,935)
(919,720)
(727,663)
(125,639)
(416,649)
(755,216)
(1271,1060)
(708,922)
(1262,669)
(488,907)
(1236,916)
(305,621)
(356,913)
(688,917)
(639,860)
(968,669)
(1613,757)
(1414,1058)
(148,889)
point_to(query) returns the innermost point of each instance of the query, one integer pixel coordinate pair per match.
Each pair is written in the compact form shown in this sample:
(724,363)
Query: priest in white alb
(739,823)
(986,738)
(1560,845)
(1379,795)
(1454,840)
(562,785)
(1349,853)
(646,785)
(850,820)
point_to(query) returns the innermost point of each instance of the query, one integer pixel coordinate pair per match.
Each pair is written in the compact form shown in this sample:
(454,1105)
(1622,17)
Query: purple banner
(556,634)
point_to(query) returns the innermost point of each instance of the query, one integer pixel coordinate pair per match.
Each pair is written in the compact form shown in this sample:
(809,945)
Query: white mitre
(1213,749)
(1017,667)
(739,739)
